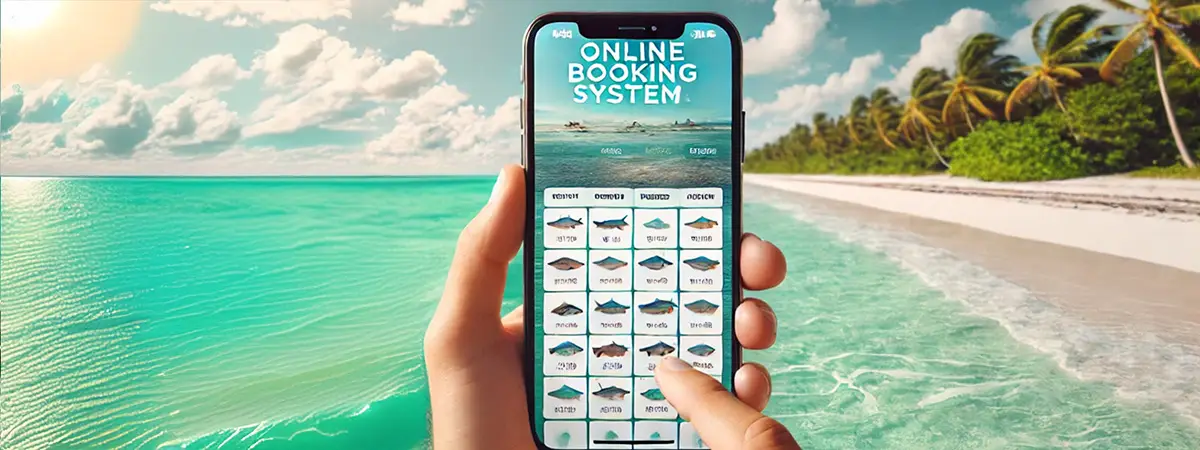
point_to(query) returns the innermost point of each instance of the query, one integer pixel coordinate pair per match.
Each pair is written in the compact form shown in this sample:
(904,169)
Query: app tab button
(565,435)
(566,197)
(612,270)
(650,351)
(655,228)
(656,198)
(564,398)
(701,313)
(701,228)
(564,270)
(610,197)
(565,355)
(610,355)
(602,433)
(700,270)
(653,434)
(701,198)
(565,312)
(610,228)
(565,227)
(610,313)
(650,403)
(655,313)
(702,352)
(610,399)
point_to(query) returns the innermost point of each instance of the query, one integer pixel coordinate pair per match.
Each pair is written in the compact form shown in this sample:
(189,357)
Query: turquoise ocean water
(288,314)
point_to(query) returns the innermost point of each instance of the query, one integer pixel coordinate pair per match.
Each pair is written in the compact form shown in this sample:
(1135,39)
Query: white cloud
(790,35)
(212,73)
(236,13)
(320,78)
(194,124)
(440,123)
(940,45)
(798,102)
(433,13)
(116,127)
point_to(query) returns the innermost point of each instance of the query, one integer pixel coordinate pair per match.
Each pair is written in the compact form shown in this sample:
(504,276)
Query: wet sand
(1102,289)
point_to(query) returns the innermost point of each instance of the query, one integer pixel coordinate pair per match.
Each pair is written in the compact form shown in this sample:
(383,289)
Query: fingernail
(674,364)
(497,187)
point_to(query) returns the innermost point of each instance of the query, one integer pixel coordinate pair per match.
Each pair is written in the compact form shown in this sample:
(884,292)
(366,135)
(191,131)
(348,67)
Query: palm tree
(1065,54)
(979,72)
(1158,24)
(918,117)
(820,130)
(881,109)
(857,117)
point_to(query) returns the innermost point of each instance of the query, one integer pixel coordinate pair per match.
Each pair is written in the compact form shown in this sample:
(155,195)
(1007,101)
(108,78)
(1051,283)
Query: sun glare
(25,14)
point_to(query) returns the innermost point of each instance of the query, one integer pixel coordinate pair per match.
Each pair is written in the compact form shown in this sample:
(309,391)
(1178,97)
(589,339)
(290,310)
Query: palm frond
(1123,6)
(1180,48)
(978,106)
(1022,92)
(1123,52)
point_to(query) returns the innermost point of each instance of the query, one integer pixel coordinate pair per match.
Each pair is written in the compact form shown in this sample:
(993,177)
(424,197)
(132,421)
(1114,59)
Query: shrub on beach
(1032,150)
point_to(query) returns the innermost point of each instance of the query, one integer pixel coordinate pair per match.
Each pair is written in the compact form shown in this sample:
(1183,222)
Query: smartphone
(633,143)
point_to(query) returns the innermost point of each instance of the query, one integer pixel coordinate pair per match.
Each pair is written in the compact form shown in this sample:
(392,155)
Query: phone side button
(743,137)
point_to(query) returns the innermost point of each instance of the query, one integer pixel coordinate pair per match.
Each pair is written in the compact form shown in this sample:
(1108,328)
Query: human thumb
(723,421)
(475,285)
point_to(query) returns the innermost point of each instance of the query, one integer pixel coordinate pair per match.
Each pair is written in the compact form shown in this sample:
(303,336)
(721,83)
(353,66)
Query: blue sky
(397,86)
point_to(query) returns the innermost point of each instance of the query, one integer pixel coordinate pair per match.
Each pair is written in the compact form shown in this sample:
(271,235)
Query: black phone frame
(624,25)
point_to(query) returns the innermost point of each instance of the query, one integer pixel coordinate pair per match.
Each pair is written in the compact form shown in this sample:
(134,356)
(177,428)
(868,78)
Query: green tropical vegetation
(1100,99)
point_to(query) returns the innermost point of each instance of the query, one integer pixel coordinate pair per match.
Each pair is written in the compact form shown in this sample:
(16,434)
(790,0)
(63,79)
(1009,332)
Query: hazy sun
(25,14)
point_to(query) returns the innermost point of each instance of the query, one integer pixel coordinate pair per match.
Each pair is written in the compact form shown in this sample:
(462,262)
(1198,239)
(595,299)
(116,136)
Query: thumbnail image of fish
(701,263)
(654,394)
(565,223)
(655,263)
(611,393)
(657,224)
(565,263)
(613,350)
(565,393)
(611,224)
(611,435)
(566,309)
(702,307)
(567,348)
(703,223)
(658,306)
(610,263)
(701,350)
(611,307)
(659,349)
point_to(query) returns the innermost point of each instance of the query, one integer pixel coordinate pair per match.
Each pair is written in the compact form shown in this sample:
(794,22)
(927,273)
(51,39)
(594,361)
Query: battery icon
(711,33)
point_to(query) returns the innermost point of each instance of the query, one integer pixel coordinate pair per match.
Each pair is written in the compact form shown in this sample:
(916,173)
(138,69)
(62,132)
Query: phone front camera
(653,28)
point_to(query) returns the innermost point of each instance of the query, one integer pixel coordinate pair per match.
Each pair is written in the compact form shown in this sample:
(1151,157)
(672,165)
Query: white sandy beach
(1156,221)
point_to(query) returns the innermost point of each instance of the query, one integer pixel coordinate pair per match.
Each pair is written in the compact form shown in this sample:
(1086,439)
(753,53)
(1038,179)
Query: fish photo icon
(655,263)
(701,263)
(612,350)
(567,348)
(659,349)
(703,223)
(702,307)
(657,224)
(565,393)
(565,223)
(654,394)
(610,263)
(611,307)
(565,263)
(701,350)
(612,224)
(566,309)
(611,393)
(658,307)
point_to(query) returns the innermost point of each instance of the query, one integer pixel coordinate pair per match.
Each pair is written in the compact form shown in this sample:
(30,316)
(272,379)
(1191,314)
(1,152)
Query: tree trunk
(967,115)
(1162,87)
(934,148)
(883,134)
(1066,114)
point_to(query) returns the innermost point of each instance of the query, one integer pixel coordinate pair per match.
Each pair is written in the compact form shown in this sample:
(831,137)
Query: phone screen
(635,207)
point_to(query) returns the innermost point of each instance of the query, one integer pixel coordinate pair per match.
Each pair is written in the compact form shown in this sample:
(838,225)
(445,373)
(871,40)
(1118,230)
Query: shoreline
(1146,220)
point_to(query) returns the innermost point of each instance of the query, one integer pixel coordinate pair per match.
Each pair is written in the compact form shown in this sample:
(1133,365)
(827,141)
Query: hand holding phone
(474,357)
